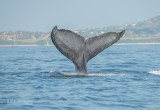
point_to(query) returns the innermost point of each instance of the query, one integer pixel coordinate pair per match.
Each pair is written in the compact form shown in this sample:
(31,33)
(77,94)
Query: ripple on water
(120,80)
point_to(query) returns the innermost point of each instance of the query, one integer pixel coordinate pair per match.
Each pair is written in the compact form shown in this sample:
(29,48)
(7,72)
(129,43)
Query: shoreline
(152,43)
(149,43)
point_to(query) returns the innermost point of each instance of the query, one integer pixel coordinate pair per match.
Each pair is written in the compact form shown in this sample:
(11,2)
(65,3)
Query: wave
(61,74)
(154,72)
(105,74)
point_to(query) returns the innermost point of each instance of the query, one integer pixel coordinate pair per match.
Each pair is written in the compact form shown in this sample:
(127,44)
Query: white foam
(88,75)
(154,72)
(107,74)
(94,74)
(51,71)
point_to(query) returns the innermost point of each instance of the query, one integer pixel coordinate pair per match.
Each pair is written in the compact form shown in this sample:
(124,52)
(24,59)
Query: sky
(43,15)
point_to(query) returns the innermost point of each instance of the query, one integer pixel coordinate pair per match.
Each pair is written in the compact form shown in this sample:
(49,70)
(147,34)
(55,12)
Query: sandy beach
(151,43)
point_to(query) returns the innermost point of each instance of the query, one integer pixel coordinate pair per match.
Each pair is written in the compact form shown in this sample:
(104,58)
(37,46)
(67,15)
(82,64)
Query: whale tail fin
(80,50)
(97,44)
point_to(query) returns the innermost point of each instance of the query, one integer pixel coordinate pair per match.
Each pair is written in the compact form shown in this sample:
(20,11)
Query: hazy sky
(42,15)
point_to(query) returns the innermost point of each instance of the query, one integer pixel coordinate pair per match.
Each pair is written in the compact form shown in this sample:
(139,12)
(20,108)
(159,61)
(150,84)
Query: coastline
(17,45)
(149,43)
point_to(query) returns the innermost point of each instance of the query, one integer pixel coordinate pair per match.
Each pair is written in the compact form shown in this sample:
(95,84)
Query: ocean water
(123,77)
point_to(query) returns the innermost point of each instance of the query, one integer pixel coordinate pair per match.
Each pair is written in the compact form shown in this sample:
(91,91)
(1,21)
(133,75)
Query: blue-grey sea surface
(122,77)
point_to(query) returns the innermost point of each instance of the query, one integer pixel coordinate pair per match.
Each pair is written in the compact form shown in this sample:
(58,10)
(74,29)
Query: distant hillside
(141,32)
(153,23)
(147,31)
(148,28)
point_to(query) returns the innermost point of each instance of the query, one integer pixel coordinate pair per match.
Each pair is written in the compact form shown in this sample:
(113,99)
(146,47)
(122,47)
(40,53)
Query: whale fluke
(80,50)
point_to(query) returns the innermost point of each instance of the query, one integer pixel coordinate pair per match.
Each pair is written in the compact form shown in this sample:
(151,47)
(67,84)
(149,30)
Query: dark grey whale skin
(80,50)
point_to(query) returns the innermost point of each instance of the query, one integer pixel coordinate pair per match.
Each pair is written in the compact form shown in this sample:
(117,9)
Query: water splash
(154,72)
(106,74)
(61,74)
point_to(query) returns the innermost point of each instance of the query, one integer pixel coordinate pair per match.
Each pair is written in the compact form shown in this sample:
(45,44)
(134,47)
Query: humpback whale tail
(80,50)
